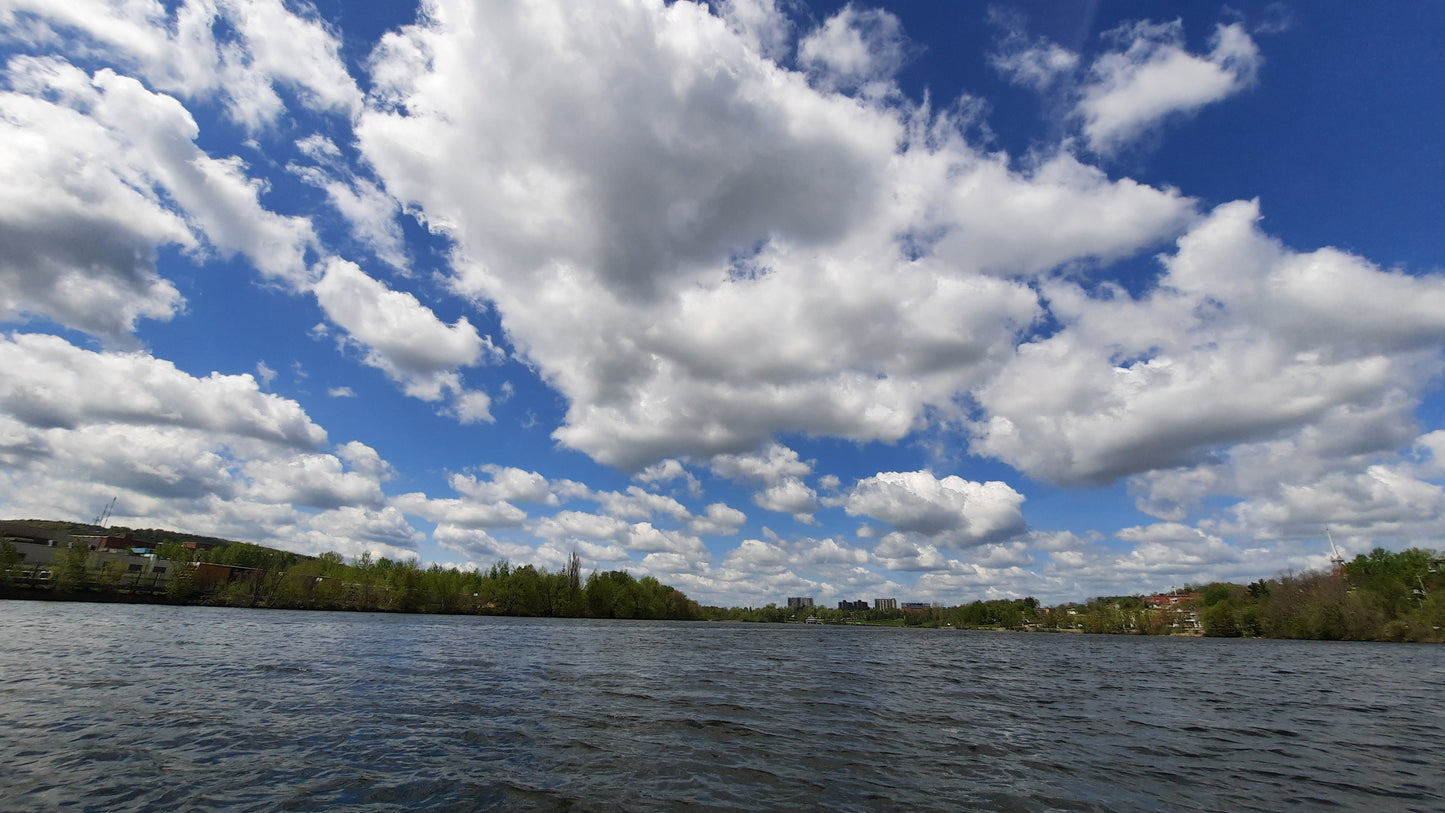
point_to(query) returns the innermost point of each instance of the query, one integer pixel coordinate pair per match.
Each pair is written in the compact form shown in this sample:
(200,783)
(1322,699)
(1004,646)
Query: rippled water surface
(118,707)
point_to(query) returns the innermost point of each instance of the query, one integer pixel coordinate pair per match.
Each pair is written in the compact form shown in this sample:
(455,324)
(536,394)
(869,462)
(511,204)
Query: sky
(930,301)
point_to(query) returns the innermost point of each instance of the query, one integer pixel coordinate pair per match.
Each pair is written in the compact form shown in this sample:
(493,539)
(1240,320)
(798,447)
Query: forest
(259,576)
(328,582)
(1379,596)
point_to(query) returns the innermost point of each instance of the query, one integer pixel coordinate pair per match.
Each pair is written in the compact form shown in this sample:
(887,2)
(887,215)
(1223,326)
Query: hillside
(145,537)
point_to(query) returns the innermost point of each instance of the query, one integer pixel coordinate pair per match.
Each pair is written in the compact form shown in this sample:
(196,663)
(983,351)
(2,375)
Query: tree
(574,585)
(70,568)
(10,558)
(1220,620)
(10,555)
(182,586)
(404,579)
(175,552)
(612,595)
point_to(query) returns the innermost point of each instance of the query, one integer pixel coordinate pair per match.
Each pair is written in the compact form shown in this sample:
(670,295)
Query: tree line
(280,579)
(1379,596)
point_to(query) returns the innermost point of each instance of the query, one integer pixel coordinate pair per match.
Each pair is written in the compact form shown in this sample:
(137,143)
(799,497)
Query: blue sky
(935,301)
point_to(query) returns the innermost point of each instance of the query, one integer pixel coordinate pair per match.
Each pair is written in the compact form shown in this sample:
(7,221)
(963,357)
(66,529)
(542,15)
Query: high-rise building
(885,603)
(800,603)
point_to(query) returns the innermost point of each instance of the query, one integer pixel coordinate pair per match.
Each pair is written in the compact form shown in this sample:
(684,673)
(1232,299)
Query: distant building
(885,603)
(916,606)
(1181,609)
(36,558)
(207,574)
(33,553)
(102,542)
(800,603)
(1169,600)
(860,604)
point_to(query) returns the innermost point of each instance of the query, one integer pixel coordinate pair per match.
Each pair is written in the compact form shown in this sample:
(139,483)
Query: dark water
(107,707)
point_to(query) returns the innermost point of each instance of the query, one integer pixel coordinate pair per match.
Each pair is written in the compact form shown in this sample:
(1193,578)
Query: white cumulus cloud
(950,510)
(1152,76)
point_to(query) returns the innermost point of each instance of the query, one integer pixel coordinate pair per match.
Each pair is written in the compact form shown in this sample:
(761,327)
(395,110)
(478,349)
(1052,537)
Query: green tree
(405,586)
(70,568)
(612,595)
(1397,580)
(10,559)
(1221,620)
(175,552)
(182,585)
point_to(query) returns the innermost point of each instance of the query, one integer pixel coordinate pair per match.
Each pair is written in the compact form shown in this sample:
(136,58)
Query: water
(117,707)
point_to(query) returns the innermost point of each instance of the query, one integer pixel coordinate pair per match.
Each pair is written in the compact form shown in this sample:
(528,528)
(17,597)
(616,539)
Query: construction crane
(1337,559)
(105,515)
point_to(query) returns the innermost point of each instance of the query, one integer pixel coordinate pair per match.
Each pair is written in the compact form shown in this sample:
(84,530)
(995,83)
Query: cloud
(1370,505)
(369,211)
(905,552)
(867,257)
(641,537)
(665,471)
(952,511)
(773,464)
(159,135)
(757,556)
(720,520)
(213,455)
(1038,66)
(238,50)
(1241,340)
(81,244)
(513,485)
(101,173)
(779,470)
(1036,63)
(636,503)
(363,458)
(404,338)
(314,480)
(828,552)
(79,228)
(789,496)
(476,544)
(1155,557)
(1152,76)
(160,462)
(1346,440)
(352,531)
(471,406)
(855,49)
(760,24)
(49,382)
(461,513)
(282,47)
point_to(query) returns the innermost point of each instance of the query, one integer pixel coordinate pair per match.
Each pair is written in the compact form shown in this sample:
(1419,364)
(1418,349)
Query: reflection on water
(136,707)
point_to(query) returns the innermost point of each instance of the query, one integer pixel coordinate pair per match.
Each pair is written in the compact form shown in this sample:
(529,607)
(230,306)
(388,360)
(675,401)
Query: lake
(128,707)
